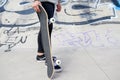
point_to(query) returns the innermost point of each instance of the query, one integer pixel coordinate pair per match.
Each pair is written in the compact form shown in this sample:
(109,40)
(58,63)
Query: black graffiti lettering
(2,45)
(23,40)
(14,43)
(11,31)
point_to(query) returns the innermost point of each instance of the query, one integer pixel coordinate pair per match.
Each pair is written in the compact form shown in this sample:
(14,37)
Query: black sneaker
(57,68)
(40,58)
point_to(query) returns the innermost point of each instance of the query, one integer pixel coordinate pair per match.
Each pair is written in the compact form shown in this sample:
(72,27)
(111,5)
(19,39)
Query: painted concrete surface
(85,38)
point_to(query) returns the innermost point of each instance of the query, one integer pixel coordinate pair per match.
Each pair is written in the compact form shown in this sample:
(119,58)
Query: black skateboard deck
(43,17)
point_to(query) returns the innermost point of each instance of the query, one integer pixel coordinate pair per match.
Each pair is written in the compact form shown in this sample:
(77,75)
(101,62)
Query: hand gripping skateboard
(44,22)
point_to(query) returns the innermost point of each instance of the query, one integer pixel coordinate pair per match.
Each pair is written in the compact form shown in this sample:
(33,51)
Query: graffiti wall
(17,21)
(80,23)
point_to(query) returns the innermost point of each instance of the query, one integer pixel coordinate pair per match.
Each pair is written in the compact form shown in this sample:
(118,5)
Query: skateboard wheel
(52,20)
(58,62)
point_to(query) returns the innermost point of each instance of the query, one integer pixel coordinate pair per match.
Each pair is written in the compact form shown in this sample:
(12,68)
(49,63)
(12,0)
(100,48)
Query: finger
(38,9)
(58,10)
(35,9)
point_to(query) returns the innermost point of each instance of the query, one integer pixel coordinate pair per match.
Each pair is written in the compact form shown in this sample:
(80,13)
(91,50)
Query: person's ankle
(40,54)
(40,57)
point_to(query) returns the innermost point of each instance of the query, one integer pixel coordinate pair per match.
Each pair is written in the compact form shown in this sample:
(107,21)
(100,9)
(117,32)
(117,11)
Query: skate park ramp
(85,38)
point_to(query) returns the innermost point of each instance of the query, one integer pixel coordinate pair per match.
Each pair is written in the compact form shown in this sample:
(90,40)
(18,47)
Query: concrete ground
(88,51)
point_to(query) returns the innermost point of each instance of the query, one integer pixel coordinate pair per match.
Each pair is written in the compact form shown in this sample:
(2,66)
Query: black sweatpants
(49,7)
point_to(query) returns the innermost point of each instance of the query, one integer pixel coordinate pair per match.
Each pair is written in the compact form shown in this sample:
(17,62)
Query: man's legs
(49,7)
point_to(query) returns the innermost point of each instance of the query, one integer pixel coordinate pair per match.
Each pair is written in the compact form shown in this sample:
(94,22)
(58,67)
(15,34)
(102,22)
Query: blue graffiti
(25,2)
(27,11)
(2,3)
(118,7)
(116,3)
(22,12)
(18,25)
(2,9)
(86,39)
(78,6)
